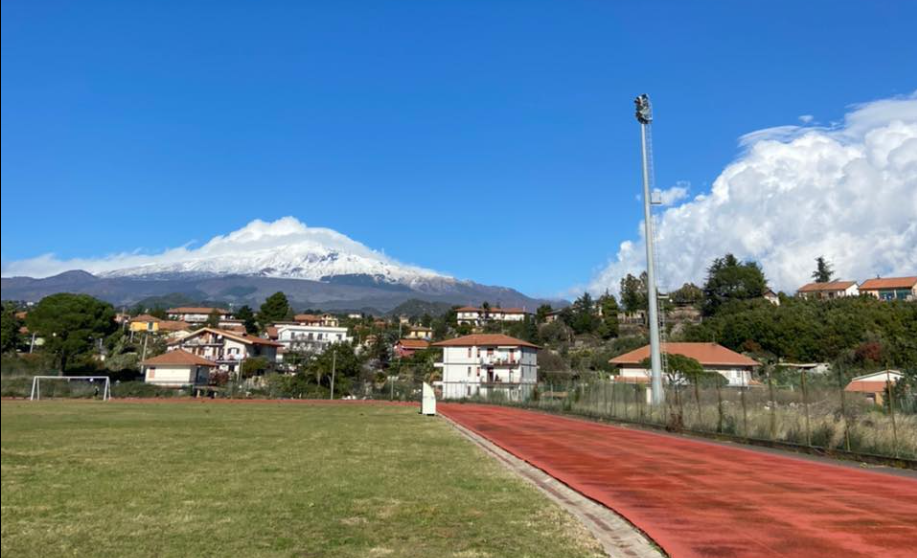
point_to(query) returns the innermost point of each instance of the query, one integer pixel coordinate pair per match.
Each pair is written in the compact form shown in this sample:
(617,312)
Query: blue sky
(490,140)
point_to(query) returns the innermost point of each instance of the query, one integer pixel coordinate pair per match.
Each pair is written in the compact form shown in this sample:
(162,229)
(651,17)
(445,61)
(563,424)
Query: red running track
(703,499)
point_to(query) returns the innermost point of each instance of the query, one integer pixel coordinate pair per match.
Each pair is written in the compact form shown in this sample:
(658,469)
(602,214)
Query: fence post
(773,405)
(805,406)
(742,391)
(840,386)
(719,408)
(614,408)
(890,387)
(626,398)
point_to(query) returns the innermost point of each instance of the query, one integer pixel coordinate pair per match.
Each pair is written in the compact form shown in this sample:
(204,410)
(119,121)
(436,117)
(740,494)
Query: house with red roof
(874,386)
(177,369)
(736,368)
(829,290)
(475,316)
(405,348)
(891,288)
(483,363)
(227,349)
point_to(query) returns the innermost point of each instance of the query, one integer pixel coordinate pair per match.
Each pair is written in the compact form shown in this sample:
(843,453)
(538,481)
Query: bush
(142,389)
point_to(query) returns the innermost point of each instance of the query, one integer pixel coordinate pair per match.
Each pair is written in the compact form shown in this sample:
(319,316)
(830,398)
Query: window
(469,371)
(469,353)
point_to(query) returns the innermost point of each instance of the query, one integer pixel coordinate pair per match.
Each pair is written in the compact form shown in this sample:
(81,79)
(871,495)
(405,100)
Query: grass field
(256,480)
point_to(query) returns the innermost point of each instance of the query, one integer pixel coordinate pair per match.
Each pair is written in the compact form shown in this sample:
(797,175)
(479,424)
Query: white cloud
(672,195)
(265,241)
(806,118)
(847,191)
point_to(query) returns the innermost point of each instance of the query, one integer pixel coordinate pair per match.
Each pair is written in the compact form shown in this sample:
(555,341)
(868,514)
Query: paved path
(703,499)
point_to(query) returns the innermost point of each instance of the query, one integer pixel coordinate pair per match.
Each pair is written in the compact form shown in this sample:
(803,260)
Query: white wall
(466,368)
(176,375)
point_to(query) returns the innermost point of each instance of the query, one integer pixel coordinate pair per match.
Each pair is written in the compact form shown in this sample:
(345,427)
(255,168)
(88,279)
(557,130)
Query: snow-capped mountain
(288,262)
(286,249)
(315,267)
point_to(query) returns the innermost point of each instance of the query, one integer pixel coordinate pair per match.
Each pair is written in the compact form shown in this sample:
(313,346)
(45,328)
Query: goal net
(98,387)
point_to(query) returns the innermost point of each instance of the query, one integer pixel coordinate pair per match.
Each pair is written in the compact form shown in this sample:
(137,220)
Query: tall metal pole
(334,362)
(645,117)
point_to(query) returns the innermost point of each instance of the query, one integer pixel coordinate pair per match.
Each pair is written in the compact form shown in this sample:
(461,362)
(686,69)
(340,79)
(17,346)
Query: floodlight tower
(645,118)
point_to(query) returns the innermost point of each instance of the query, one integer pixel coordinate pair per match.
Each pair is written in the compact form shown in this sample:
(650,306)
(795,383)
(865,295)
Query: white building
(196,314)
(735,367)
(829,290)
(485,363)
(177,369)
(478,316)
(226,348)
(296,337)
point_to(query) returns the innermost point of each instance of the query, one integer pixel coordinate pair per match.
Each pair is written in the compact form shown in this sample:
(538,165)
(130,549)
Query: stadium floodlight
(105,381)
(645,118)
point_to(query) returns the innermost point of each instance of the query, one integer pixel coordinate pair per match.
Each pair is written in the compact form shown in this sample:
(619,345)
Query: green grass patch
(266,479)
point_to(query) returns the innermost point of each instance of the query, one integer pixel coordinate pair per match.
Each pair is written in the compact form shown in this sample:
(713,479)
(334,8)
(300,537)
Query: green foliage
(346,363)
(248,319)
(275,309)
(541,314)
(9,327)
(254,366)
(608,327)
(729,280)
(854,330)
(582,316)
(634,293)
(213,320)
(823,270)
(70,324)
(688,294)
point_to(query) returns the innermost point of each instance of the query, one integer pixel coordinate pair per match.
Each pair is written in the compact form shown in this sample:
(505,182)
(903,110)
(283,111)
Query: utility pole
(334,358)
(645,118)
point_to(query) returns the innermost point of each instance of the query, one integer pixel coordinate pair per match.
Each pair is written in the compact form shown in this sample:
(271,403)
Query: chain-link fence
(785,408)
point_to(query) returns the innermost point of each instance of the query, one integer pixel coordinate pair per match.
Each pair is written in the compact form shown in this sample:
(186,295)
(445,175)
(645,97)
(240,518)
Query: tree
(10,330)
(728,279)
(823,270)
(70,324)
(275,309)
(582,317)
(634,293)
(688,295)
(248,319)
(254,366)
(541,314)
(213,320)
(608,307)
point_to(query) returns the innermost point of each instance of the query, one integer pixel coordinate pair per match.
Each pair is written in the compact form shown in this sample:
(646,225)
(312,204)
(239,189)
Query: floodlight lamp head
(644,111)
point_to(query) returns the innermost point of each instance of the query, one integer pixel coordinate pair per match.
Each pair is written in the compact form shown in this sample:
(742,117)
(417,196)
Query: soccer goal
(98,385)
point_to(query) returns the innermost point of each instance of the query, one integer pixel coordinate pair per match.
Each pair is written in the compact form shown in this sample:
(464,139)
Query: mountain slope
(342,293)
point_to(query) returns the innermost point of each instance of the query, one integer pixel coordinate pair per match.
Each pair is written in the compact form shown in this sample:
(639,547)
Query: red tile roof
(145,318)
(829,286)
(413,343)
(177,358)
(242,338)
(708,354)
(861,386)
(195,310)
(173,325)
(888,283)
(485,340)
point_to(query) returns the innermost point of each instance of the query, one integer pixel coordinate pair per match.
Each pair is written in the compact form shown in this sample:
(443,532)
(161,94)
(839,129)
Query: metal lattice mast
(645,118)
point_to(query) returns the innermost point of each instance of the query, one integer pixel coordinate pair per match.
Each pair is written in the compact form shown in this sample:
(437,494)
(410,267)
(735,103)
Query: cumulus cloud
(846,191)
(671,196)
(258,237)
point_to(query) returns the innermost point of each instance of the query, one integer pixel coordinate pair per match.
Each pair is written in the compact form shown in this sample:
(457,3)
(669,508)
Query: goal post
(105,382)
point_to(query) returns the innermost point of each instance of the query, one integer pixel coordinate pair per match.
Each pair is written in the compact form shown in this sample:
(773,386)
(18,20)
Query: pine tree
(823,270)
